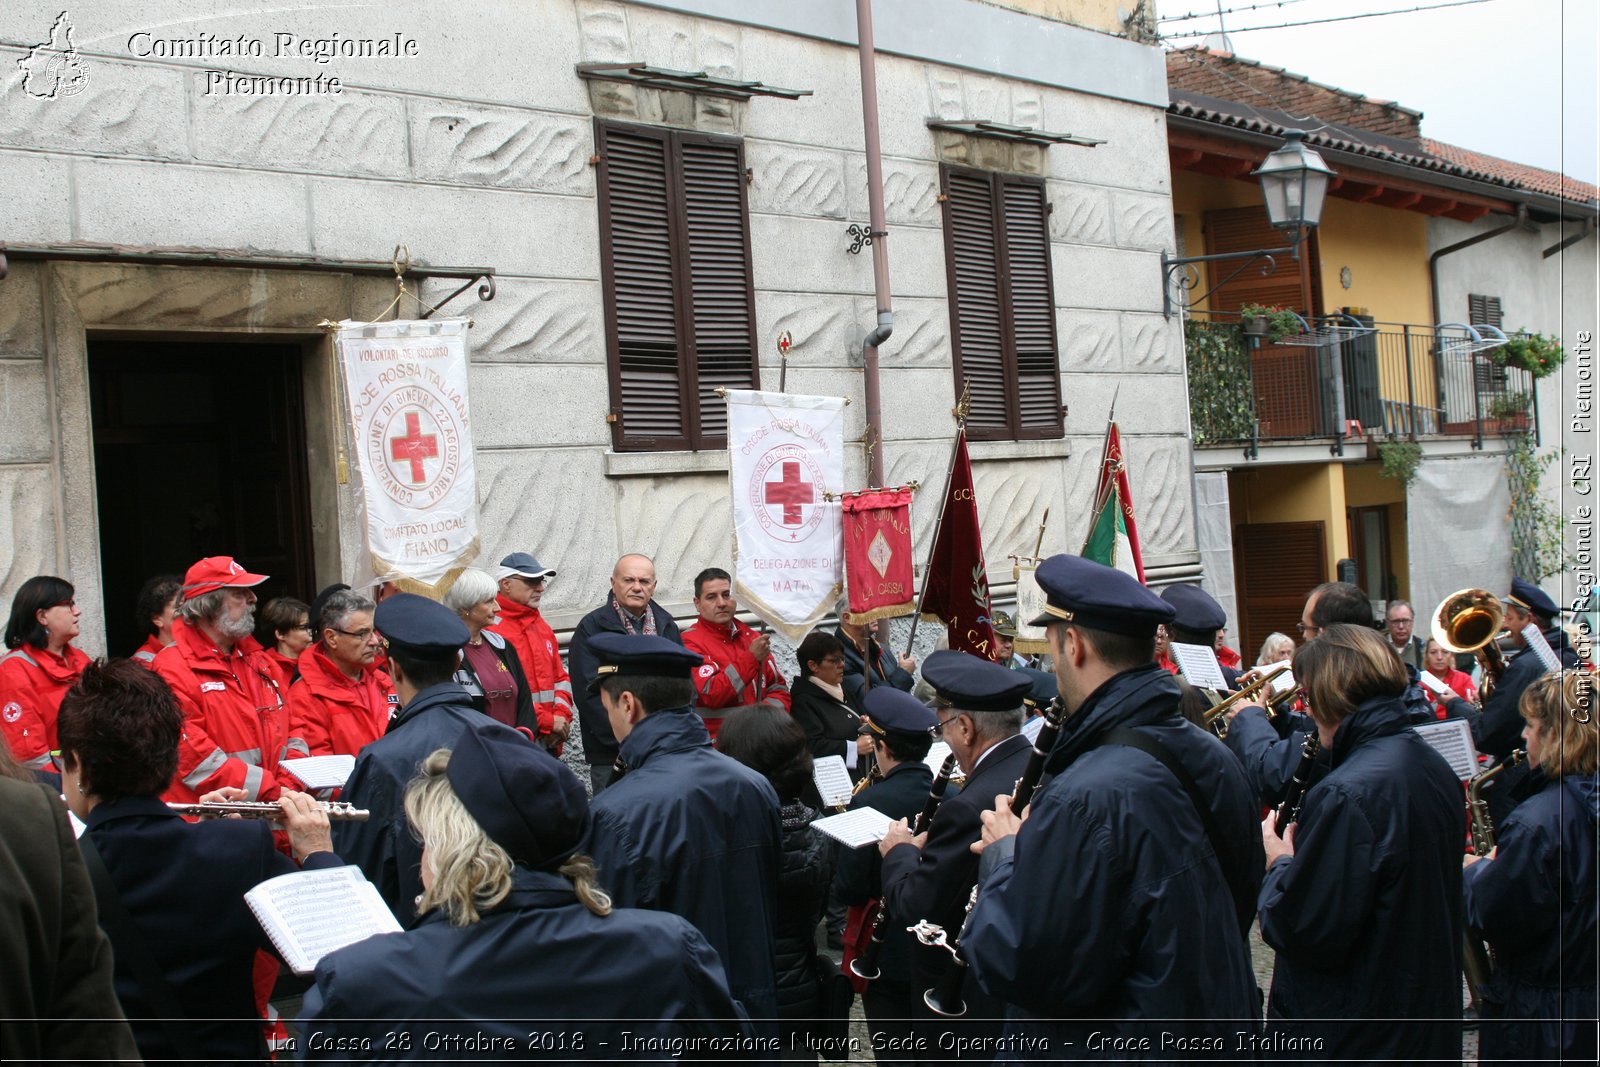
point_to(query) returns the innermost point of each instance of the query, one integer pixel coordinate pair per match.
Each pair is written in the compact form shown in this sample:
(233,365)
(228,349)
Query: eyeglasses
(938,731)
(359,635)
(306,626)
(70,602)
(1304,629)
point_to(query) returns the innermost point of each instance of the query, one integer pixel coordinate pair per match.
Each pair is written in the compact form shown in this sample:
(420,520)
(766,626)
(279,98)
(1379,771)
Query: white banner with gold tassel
(405,386)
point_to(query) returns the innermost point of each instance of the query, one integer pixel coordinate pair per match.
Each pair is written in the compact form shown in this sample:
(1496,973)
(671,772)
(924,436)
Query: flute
(261,809)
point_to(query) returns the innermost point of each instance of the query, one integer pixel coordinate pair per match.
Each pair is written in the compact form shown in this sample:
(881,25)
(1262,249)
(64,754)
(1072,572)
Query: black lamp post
(1294,183)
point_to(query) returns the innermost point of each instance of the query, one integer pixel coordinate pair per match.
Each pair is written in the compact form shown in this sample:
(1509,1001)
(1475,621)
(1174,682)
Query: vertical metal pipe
(880,243)
(1411,385)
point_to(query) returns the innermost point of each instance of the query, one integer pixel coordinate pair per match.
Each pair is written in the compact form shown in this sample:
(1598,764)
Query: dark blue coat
(803,882)
(691,831)
(902,794)
(1535,905)
(1366,915)
(599,743)
(1497,729)
(1110,905)
(886,670)
(384,847)
(539,970)
(183,885)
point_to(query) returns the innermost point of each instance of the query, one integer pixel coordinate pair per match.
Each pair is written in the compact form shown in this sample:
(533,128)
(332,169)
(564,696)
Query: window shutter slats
(1032,306)
(975,284)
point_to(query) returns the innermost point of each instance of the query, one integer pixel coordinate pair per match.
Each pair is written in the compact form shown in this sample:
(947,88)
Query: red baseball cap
(217,572)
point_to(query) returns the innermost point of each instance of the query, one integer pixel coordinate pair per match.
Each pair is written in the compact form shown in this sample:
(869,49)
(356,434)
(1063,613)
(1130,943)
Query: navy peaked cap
(1196,608)
(893,710)
(1530,597)
(974,684)
(1091,594)
(642,655)
(415,624)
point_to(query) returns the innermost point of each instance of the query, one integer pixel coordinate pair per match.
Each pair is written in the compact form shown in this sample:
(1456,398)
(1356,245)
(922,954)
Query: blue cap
(525,799)
(641,654)
(1530,597)
(1043,690)
(1099,597)
(974,684)
(422,627)
(523,565)
(891,710)
(1196,608)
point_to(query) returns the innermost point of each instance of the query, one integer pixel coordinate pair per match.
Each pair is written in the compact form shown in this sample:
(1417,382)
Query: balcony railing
(1344,377)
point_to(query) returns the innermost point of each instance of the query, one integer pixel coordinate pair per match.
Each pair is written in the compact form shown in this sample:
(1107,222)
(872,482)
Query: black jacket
(599,743)
(467,679)
(901,794)
(691,831)
(529,965)
(384,847)
(1497,729)
(183,886)
(830,726)
(1366,915)
(803,877)
(1111,905)
(1535,905)
(885,670)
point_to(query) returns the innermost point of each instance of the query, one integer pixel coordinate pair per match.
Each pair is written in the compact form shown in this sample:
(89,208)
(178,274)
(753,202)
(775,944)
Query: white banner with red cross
(786,472)
(405,387)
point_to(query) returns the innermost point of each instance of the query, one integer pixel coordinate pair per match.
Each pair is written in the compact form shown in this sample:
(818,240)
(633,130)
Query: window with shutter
(1485,311)
(1002,308)
(675,265)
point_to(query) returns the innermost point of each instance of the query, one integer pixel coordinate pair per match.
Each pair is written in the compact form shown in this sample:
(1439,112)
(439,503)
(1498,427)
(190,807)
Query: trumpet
(260,809)
(1469,620)
(1215,721)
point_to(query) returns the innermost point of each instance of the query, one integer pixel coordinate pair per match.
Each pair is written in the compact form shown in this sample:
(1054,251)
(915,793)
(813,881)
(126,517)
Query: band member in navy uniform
(979,705)
(1119,910)
(1199,618)
(901,728)
(682,827)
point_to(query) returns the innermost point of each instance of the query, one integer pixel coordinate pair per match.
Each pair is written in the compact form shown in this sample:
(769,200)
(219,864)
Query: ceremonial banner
(1113,538)
(786,457)
(1031,600)
(405,385)
(956,587)
(877,554)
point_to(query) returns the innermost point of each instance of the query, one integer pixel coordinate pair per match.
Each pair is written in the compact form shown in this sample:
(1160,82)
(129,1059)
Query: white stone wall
(477,152)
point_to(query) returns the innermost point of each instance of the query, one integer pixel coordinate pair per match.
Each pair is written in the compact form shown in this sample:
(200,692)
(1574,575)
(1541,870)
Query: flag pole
(960,412)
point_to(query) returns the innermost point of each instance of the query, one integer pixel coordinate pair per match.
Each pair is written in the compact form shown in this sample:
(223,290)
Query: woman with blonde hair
(514,927)
(1362,895)
(1277,648)
(1533,897)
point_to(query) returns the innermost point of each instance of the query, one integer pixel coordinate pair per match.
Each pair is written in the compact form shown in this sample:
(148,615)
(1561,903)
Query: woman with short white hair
(490,671)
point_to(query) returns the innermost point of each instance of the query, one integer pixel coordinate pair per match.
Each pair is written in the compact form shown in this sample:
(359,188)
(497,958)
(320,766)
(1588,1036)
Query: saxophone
(1476,962)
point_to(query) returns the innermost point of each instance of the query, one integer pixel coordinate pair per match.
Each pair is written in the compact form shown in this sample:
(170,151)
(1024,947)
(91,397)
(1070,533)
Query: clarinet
(945,998)
(865,966)
(1295,795)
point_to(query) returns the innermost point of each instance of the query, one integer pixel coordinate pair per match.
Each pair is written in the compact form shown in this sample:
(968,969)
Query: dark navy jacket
(1497,729)
(806,873)
(1111,906)
(886,669)
(1366,915)
(901,795)
(1535,905)
(599,743)
(183,885)
(691,831)
(384,847)
(523,973)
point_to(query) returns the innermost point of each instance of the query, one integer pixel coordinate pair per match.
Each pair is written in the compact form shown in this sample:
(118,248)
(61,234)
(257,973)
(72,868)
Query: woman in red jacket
(341,701)
(39,668)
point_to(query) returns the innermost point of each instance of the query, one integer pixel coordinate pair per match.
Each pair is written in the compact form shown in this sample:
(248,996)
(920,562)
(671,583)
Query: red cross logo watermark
(414,447)
(786,489)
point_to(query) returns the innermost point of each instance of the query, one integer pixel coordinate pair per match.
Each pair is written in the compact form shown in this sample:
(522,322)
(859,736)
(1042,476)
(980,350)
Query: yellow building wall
(1099,15)
(1365,488)
(1295,493)
(1192,196)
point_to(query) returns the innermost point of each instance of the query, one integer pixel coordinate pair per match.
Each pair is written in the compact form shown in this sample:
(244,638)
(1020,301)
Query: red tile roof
(1550,182)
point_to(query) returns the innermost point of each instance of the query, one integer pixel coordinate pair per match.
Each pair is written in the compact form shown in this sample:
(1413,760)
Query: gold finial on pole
(964,404)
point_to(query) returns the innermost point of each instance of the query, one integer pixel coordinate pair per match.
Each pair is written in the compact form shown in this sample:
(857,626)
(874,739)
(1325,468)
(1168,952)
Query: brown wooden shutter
(1277,564)
(675,263)
(1244,229)
(1002,309)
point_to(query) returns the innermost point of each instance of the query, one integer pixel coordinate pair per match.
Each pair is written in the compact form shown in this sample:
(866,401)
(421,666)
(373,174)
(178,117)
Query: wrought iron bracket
(863,236)
(1189,280)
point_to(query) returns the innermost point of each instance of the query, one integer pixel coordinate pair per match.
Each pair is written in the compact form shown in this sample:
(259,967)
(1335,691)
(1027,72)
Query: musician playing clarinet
(1127,893)
(979,705)
(901,729)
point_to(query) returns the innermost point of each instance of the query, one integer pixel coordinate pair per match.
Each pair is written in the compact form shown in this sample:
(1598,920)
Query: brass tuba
(1469,620)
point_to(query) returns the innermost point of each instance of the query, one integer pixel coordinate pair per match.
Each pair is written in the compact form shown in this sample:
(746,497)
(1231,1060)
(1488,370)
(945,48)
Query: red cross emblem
(791,492)
(415,446)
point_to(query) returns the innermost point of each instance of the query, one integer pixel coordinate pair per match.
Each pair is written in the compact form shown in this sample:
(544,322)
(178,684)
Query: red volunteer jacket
(728,678)
(145,654)
(235,720)
(332,714)
(32,683)
(536,646)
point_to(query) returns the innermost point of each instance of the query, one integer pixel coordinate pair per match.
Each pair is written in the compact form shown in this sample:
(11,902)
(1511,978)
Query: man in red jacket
(522,581)
(739,671)
(235,723)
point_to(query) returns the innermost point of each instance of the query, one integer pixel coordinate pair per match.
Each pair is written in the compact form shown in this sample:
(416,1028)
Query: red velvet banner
(956,588)
(877,554)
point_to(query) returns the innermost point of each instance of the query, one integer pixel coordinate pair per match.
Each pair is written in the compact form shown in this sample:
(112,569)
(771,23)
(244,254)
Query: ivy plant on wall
(1220,405)
(1536,550)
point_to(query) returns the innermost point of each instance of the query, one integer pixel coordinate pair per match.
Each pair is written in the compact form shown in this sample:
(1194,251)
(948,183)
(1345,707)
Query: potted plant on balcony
(1510,410)
(1538,354)
(1273,323)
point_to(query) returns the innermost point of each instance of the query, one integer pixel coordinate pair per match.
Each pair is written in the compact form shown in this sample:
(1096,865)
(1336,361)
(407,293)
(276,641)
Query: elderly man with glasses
(1398,620)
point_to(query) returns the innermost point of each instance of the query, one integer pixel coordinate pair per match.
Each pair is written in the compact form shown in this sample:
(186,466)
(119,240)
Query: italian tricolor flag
(1113,537)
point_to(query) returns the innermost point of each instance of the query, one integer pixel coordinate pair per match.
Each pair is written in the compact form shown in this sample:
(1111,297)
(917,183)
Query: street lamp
(1294,183)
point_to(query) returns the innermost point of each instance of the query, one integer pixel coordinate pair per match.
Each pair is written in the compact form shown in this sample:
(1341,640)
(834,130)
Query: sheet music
(1031,728)
(1283,682)
(1199,666)
(936,754)
(309,914)
(1452,739)
(855,829)
(833,781)
(1541,648)
(320,772)
(1434,682)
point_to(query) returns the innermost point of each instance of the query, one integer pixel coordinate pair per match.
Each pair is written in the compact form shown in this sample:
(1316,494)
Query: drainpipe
(880,243)
(1433,260)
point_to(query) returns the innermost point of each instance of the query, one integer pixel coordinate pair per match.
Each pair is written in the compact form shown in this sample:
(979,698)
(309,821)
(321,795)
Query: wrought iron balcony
(1344,377)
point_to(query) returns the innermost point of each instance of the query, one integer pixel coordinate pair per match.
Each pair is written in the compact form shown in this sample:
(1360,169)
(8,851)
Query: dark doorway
(199,450)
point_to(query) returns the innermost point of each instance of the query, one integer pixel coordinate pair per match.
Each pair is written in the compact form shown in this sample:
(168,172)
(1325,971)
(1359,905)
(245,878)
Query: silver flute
(261,809)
